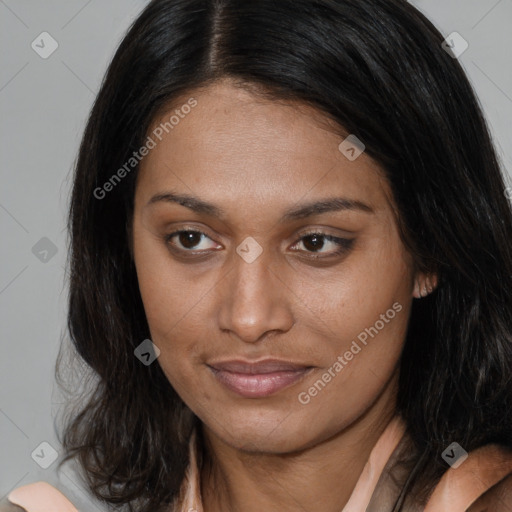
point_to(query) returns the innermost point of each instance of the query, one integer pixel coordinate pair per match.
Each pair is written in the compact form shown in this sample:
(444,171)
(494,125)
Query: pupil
(316,244)
(189,239)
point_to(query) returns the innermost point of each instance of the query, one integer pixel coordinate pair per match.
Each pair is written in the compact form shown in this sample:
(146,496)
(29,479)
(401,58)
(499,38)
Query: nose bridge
(254,300)
(253,278)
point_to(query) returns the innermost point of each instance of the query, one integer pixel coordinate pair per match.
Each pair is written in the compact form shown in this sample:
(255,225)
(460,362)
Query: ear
(424,284)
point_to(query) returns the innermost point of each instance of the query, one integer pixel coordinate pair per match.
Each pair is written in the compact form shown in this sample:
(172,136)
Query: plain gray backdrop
(44,103)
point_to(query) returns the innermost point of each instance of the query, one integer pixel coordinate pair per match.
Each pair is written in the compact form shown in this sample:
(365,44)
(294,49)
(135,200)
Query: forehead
(253,149)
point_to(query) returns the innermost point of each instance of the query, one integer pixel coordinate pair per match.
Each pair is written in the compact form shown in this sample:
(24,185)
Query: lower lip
(259,385)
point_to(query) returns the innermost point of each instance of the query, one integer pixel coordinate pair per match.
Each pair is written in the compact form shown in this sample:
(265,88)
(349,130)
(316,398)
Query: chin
(267,432)
(254,441)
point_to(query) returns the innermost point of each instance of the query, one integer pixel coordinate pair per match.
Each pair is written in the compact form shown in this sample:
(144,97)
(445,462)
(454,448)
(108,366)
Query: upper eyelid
(310,231)
(185,226)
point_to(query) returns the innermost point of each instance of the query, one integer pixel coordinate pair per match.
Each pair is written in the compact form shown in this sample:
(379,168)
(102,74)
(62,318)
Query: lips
(260,379)
(268,366)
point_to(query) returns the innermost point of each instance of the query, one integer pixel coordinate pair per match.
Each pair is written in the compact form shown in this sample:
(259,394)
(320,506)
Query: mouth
(260,379)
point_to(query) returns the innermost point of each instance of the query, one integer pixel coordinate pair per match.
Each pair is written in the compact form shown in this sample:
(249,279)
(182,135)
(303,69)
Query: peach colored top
(456,491)
(40,497)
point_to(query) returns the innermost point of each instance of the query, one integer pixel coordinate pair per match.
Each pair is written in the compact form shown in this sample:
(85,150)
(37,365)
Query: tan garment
(482,483)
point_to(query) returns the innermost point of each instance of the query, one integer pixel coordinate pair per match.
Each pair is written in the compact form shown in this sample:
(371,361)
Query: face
(272,273)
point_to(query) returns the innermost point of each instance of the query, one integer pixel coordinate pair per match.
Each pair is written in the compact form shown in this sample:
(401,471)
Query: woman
(291,267)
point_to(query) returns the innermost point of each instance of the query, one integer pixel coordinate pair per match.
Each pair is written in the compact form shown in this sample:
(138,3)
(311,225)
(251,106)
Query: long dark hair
(377,68)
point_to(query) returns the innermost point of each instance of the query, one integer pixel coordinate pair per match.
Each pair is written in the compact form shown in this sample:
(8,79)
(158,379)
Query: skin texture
(256,158)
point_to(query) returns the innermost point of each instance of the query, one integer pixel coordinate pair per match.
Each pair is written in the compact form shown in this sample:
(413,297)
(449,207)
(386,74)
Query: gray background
(44,104)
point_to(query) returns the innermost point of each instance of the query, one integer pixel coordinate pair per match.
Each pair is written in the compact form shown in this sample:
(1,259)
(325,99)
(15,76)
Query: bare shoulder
(497,499)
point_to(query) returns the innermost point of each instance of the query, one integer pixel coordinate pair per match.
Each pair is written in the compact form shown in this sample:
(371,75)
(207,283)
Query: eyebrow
(298,212)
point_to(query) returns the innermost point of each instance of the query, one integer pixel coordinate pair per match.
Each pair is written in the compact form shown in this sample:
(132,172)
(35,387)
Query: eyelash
(344,244)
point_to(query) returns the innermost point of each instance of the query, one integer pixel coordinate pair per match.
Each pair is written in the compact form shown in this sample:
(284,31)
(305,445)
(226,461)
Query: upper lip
(264,366)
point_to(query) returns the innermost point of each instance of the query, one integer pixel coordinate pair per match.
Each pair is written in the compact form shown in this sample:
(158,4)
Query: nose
(253,301)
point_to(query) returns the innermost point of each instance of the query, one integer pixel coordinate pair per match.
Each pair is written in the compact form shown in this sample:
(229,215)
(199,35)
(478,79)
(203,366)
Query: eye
(323,245)
(315,244)
(186,240)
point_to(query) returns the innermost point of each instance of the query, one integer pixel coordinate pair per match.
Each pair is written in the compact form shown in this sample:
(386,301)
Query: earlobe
(424,285)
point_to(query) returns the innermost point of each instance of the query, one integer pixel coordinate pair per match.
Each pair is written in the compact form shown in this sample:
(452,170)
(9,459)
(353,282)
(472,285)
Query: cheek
(174,306)
(362,316)
(339,403)
(362,363)
(168,294)
(343,301)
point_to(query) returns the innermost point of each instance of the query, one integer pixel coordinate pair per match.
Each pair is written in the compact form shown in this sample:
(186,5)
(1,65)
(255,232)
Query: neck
(318,478)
